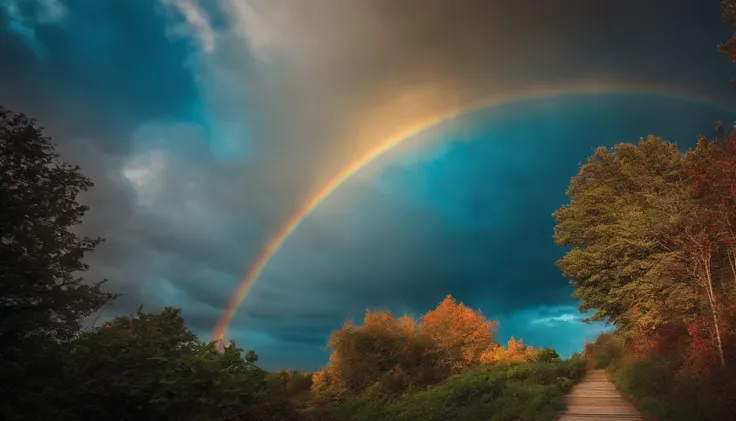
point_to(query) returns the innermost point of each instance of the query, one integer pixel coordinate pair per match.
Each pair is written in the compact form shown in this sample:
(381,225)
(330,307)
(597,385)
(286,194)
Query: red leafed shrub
(701,355)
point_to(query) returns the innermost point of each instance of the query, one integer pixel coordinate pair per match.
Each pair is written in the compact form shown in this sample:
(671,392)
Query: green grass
(527,391)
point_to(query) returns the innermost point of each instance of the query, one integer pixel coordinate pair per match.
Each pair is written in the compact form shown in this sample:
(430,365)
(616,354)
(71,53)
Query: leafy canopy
(150,366)
(43,299)
(624,204)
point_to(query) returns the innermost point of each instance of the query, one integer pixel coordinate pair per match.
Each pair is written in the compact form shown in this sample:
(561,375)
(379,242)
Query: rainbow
(292,223)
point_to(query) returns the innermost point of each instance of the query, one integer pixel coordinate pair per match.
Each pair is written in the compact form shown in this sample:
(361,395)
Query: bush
(151,367)
(499,392)
(664,386)
(607,350)
(547,355)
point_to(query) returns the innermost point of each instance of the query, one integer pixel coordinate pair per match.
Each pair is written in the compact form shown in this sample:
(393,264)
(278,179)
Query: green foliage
(659,390)
(609,350)
(623,203)
(292,386)
(40,256)
(547,355)
(150,366)
(659,384)
(505,391)
(43,300)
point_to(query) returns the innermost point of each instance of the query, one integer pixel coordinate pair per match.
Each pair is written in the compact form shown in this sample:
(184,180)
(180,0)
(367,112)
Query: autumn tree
(385,350)
(625,203)
(707,236)
(651,231)
(460,333)
(712,171)
(515,351)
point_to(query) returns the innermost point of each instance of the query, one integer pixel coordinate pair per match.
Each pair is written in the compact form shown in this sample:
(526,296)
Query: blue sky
(204,124)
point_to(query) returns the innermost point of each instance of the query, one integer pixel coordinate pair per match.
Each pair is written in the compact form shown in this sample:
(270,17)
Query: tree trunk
(732,262)
(713,306)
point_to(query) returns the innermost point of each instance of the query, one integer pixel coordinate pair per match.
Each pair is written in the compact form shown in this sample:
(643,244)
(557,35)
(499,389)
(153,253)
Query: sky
(205,124)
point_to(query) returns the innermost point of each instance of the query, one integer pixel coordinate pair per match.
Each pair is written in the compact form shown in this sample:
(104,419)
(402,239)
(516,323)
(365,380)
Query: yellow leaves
(322,388)
(515,351)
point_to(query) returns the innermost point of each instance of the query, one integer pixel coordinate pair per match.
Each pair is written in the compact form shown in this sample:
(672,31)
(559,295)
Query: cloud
(24,16)
(50,11)
(196,19)
(260,31)
(552,321)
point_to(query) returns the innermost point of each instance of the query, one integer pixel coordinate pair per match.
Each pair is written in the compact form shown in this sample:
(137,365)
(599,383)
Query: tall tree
(43,300)
(40,256)
(712,168)
(707,238)
(624,202)
(728,48)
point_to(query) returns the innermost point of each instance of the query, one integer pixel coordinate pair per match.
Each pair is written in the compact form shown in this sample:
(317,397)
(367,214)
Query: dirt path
(595,398)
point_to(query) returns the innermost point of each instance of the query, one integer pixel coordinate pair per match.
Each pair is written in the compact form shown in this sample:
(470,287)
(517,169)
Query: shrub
(499,392)
(548,355)
(608,350)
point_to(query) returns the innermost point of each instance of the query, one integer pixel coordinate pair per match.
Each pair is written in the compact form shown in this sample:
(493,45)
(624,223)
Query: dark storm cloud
(107,66)
(205,123)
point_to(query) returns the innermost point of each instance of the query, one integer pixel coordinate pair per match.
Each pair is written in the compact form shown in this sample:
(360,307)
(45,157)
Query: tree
(712,170)
(385,350)
(624,204)
(151,367)
(43,300)
(515,351)
(728,48)
(699,246)
(707,237)
(461,333)
(40,255)
(548,355)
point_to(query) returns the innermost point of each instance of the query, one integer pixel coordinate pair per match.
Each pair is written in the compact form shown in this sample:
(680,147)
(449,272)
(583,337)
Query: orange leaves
(401,352)
(461,332)
(515,351)
(387,350)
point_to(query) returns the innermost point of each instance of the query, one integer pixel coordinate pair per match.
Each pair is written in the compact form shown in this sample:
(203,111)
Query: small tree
(515,351)
(383,350)
(460,333)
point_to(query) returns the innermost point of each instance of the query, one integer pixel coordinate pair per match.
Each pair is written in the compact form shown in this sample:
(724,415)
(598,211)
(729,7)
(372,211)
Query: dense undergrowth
(664,386)
(504,391)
